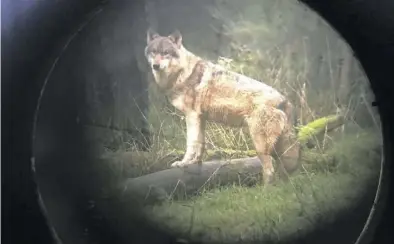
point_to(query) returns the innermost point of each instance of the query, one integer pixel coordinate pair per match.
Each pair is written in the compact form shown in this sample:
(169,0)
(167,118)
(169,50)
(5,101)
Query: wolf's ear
(176,37)
(151,35)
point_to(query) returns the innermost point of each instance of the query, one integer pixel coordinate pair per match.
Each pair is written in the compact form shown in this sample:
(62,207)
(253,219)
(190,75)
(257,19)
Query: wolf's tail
(307,132)
(291,144)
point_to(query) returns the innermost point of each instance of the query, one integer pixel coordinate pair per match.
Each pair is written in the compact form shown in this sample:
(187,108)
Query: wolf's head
(165,54)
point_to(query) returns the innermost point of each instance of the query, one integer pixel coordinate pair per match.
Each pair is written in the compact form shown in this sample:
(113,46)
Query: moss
(315,127)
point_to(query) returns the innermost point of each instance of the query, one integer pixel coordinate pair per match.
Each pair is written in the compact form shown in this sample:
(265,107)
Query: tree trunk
(344,75)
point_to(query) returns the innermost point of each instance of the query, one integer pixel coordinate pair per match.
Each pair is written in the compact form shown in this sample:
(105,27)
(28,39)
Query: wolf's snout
(156,67)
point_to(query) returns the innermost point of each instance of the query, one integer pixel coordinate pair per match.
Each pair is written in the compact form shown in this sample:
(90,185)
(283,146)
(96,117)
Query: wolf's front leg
(195,126)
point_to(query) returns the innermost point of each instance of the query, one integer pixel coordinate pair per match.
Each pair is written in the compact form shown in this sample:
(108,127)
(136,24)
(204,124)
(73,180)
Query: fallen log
(181,182)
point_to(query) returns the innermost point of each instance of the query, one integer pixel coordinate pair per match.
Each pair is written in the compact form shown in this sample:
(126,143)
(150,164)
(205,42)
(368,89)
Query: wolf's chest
(178,102)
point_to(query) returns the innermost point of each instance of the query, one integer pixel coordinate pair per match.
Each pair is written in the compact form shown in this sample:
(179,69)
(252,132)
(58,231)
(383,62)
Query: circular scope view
(215,121)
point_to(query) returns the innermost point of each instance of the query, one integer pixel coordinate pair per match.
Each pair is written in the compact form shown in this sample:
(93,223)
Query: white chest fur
(178,102)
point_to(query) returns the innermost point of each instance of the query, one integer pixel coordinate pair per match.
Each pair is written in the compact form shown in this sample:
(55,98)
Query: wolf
(204,91)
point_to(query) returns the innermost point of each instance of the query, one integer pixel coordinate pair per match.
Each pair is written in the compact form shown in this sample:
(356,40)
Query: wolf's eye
(165,53)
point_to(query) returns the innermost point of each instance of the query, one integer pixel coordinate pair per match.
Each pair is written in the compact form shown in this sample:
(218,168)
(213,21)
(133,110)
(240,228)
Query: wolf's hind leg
(287,152)
(265,127)
(195,142)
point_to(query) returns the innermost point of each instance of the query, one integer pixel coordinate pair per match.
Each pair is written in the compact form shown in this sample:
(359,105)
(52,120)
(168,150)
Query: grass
(275,213)
(255,213)
(334,178)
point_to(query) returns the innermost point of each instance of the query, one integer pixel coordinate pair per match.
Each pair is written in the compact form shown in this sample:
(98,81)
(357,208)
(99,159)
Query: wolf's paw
(178,164)
(268,178)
